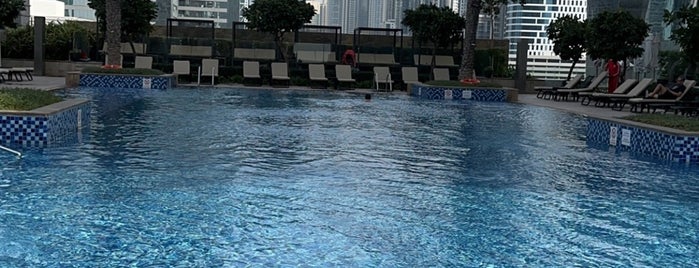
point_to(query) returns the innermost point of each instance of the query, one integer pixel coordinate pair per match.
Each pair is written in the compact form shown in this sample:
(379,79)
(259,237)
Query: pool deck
(55,83)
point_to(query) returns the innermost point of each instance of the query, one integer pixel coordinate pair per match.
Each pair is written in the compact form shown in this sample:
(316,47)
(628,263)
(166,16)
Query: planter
(101,80)
(45,126)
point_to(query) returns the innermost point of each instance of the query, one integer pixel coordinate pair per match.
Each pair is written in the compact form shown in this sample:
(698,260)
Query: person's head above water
(367,96)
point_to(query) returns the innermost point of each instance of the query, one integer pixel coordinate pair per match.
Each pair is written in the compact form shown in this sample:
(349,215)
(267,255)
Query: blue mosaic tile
(646,142)
(450,93)
(126,81)
(41,130)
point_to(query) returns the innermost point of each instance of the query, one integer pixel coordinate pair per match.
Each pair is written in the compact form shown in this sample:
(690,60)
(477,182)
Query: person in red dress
(613,71)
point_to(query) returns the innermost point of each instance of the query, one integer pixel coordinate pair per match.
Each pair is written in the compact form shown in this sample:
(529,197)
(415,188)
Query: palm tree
(113,34)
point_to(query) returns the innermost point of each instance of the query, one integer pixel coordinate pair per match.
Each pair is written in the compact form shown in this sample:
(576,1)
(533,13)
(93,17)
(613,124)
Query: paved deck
(574,107)
(39,82)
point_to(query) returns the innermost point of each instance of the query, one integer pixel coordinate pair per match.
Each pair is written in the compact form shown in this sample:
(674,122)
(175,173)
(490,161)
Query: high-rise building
(222,12)
(78,9)
(529,22)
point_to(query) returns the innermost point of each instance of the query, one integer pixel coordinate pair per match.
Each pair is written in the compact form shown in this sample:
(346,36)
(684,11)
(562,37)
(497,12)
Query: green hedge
(24,99)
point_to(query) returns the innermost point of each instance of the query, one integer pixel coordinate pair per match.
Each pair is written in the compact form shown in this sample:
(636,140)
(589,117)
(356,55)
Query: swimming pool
(269,178)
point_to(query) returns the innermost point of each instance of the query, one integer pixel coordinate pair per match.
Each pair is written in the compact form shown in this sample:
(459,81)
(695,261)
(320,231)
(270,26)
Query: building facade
(529,22)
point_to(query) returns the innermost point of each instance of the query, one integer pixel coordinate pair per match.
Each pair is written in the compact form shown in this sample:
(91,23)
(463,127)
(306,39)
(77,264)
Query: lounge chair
(618,100)
(343,74)
(16,73)
(181,67)
(382,75)
(547,92)
(587,97)
(575,93)
(639,104)
(209,67)
(121,59)
(251,71)
(316,73)
(441,74)
(143,62)
(409,75)
(280,72)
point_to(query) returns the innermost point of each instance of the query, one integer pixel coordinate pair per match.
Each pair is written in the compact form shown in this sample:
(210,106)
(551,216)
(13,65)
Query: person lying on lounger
(672,91)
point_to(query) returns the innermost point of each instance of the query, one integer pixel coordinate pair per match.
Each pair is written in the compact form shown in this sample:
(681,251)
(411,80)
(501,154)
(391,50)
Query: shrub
(24,99)
(122,71)
(19,43)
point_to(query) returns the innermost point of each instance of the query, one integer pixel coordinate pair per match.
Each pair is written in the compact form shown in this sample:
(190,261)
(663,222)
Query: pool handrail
(19,155)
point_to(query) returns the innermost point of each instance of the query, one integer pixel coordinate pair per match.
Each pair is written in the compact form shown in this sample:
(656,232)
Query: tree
(9,10)
(686,33)
(278,17)
(469,53)
(616,35)
(136,17)
(568,36)
(439,26)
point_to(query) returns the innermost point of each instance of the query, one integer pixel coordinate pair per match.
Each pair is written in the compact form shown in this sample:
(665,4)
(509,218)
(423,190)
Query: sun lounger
(343,74)
(547,92)
(280,73)
(251,71)
(441,74)
(143,62)
(575,93)
(639,104)
(382,75)
(409,75)
(181,67)
(618,100)
(621,89)
(316,73)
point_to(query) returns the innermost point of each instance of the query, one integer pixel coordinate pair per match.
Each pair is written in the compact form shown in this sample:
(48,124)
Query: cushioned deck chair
(121,59)
(143,62)
(575,93)
(316,73)
(611,99)
(209,67)
(280,73)
(547,92)
(343,74)
(409,75)
(3,73)
(639,104)
(621,89)
(382,75)
(181,67)
(251,71)
(441,74)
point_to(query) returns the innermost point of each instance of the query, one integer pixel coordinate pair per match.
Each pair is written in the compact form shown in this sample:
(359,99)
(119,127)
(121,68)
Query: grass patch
(133,71)
(24,99)
(667,120)
(459,84)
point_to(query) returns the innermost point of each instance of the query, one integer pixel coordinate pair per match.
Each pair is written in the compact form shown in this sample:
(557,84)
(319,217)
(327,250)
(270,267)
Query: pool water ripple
(277,178)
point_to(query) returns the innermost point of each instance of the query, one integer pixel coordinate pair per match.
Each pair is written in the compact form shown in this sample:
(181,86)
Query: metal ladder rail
(19,155)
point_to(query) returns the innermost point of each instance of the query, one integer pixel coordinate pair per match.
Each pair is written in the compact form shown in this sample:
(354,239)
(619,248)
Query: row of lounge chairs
(316,73)
(16,74)
(631,92)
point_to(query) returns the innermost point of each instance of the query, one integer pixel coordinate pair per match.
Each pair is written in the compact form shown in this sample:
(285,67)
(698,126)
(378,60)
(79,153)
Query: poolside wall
(465,93)
(127,81)
(681,148)
(46,125)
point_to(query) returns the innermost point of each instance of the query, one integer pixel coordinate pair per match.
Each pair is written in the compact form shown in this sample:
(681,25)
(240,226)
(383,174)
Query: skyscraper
(529,22)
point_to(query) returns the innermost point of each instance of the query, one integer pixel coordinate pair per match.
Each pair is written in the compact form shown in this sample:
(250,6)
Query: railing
(19,155)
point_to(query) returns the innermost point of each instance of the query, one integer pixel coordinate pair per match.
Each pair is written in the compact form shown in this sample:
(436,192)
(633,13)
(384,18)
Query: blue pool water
(232,177)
